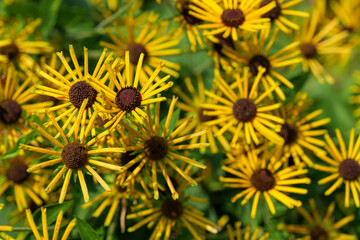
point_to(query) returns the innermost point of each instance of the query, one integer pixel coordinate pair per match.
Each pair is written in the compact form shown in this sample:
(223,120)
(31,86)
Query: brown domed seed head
(156,148)
(349,169)
(262,180)
(308,50)
(17,172)
(318,233)
(273,13)
(171,208)
(289,133)
(128,98)
(244,109)
(74,155)
(233,17)
(259,60)
(10,111)
(81,90)
(205,118)
(11,51)
(190,19)
(135,50)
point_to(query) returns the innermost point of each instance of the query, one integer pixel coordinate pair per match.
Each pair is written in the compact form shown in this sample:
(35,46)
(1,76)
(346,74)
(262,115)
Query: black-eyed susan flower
(348,13)
(265,176)
(15,45)
(127,98)
(319,227)
(242,108)
(167,214)
(24,185)
(278,13)
(217,44)
(189,23)
(300,131)
(45,226)
(152,40)
(195,112)
(255,52)
(158,148)
(72,92)
(15,99)
(316,43)
(117,200)
(343,166)
(247,234)
(232,16)
(74,154)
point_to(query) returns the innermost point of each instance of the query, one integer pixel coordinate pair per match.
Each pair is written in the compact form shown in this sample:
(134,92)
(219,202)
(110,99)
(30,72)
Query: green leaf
(86,231)
(23,140)
(49,12)
(52,211)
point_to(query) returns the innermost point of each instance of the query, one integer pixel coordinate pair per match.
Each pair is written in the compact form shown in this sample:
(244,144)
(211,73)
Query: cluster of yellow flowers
(65,121)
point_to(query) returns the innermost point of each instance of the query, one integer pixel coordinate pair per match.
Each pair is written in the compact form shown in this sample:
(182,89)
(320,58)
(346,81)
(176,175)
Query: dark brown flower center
(233,17)
(135,50)
(263,180)
(308,50)
(120,188)
(74,155)
(349,169)
(288,133)
(273,13)
(223,42)
(156,148)
(128,98)
(101,123)
(81,90)
(244,109)
(350,30)
(11,51)
(171,208)
(127,157)
(17,172)
(203,117)
(10,112)
(189,18)
(318,233)
(259,60)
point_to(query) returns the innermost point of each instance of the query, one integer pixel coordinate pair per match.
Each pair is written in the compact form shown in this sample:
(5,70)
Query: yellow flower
(72,91)
(355,98)
(244,110)
(278,13)
(167,214)
(75,153)
(25,185)
(320,227)
(247,234)
(316,44)
(265,176)
(189,23)
(127,98)
(344,166)
(232,16)
(157,149)
(15,46)
(152,41)
(300,131)
(117,198)
(195,113)
(15,98)
(44,224)
(254,52)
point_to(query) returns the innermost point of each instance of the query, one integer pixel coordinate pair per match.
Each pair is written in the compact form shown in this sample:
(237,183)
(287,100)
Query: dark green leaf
(86,231)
